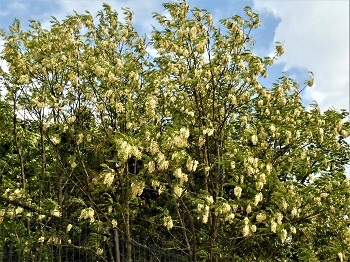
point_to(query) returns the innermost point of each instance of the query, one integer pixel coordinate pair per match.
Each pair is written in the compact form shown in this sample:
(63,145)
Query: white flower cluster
(114,223)
(126,150)
(180,175)
(52,240)
(87,213)
(157,186)
(273,226)
(180,140)
(258,197)
(208,131)
(237,191)
(69,227)
(99,251)
(260,217)
(254,139)
(2,214)
(168,222)
(283,235)
(56,213)
(191,165)
(246,229)
(13,194)
(137,188)
(108,178)
(205,216)
(150,106)
(230,218)
(163,164)
(178,191)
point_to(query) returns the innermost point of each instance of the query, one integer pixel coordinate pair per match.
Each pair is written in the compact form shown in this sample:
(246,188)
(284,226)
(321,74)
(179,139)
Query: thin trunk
(183,227)
(42,173)
(127,231)
(60,203)
(193,230)
(18,148)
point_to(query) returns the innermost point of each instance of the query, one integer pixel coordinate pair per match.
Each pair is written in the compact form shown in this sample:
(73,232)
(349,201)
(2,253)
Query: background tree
(185,150)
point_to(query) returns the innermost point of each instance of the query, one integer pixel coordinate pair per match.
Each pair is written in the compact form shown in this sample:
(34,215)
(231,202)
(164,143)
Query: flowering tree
(185,150)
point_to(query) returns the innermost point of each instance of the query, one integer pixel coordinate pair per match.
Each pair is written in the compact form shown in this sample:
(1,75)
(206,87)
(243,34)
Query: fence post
(116,245)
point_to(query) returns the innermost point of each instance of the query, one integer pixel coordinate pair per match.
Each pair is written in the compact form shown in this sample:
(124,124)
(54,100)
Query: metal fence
(114,249)
(143,253)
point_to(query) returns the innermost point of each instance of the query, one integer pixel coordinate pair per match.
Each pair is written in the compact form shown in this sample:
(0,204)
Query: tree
(185,150)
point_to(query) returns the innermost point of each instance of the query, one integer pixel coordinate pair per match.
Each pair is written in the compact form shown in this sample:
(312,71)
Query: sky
(315,34)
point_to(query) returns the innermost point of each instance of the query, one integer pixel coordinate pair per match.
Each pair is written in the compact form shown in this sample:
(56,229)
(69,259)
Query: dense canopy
(185,149)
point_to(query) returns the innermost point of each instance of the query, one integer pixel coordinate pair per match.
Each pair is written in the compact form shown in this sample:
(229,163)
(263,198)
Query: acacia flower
(260,217)
(246,230)
(168,222)
(253,228)
(237,191)
(230,218)
(283,235)
(254,139)
(249,209)
(69,227)
(279,218)
(209,200)
(258,197)
(273,226)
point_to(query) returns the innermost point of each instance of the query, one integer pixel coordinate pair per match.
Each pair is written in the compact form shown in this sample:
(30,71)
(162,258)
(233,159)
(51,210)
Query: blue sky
(315,34)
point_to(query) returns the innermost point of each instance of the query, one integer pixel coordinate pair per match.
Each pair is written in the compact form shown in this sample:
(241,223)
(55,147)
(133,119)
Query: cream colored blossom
(200,207)
(317,200)
(253,228)
(284,204)
(151,167)
(293,230)
(209,200)
(41,239)
(260,217)
(262,178)
(225,208)
(283,235)
(18,210)
(180,175)
(279,218)
(249,209)
(99,251)
(294,212)
(341,256)
(205,218)
(168,222)
(237,191)
(273,226)
(323,195)
(41,217)
(137,188)
(108,178)
(69,227)
(114,223)
(230,218)
(246,230)
(254,139)
(178,191)
(258,197)
(268,168)
(87,213)
(56,213)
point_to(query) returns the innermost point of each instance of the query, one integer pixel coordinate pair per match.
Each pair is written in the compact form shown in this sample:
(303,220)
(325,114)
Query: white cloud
(316,37)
